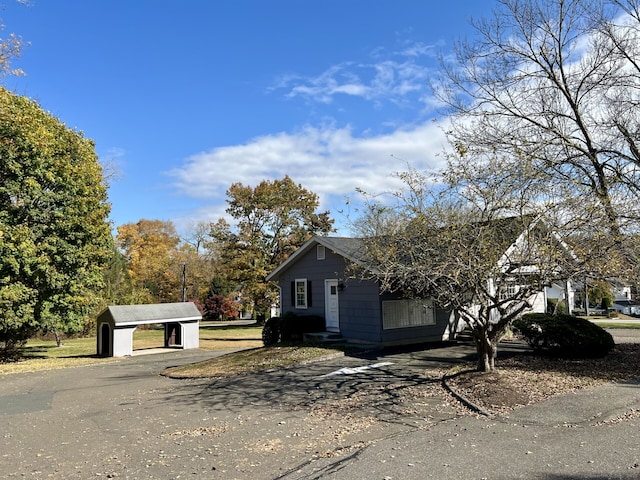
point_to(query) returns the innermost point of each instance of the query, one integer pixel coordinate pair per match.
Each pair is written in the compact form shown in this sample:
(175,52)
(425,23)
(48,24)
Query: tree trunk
(486,350)
(56,334)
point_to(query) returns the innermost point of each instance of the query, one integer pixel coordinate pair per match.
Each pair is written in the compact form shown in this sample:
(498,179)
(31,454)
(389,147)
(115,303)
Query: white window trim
(303,281)
(320,252)
(509,291)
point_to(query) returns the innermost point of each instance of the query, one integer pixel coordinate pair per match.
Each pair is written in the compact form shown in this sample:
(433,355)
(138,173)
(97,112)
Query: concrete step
(322,337)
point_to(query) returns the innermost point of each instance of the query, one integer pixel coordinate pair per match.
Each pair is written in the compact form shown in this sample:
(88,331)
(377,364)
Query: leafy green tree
(602,294)
(599,293)
(54,234)
(272,220)
(220,286)
(120,289)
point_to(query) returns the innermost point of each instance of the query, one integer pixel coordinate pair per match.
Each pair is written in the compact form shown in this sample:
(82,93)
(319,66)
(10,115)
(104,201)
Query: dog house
(117,323)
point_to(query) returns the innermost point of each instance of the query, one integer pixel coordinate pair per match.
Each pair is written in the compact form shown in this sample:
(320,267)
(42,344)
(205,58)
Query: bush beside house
(290,328)
(564,336)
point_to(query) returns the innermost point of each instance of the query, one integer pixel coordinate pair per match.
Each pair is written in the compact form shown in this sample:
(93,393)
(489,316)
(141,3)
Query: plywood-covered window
(407,313)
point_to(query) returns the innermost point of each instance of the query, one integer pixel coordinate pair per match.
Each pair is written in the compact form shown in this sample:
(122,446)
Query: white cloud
(329,161)
(419,49)
(389,79)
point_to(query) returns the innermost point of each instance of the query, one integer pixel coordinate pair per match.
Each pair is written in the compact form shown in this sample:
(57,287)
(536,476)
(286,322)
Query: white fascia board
(162,320)
(304,248)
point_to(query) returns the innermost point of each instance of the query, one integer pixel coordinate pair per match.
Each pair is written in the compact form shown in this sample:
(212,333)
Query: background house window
(300,293)
(320,253)
(509,291)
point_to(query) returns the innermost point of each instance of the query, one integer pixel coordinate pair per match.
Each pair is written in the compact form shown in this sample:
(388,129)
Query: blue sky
(186,97)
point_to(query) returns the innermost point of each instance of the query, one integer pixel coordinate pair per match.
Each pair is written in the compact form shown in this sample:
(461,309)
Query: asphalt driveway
(373,416)
(125,420)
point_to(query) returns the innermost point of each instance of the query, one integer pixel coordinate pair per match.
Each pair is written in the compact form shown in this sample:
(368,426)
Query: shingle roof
(153,313)
(350,248)
(505,232)
(627,303)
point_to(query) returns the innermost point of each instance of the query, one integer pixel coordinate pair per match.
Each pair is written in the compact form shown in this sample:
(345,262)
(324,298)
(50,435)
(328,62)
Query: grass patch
(45,355)
(253,360)
(225,338)
(617,325)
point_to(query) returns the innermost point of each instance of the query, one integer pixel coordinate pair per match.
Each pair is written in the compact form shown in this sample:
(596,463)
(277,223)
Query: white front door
(331,306)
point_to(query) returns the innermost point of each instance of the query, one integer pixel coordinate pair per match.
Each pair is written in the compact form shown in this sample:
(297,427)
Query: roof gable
(349,248)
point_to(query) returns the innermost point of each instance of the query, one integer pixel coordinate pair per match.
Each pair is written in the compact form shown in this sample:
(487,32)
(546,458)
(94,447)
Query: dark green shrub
(271,333)
(294,326)
(290,328)
(13,340)
(564,335)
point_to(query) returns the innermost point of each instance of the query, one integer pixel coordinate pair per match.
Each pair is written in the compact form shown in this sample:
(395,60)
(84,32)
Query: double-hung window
(300,292)
(509,291)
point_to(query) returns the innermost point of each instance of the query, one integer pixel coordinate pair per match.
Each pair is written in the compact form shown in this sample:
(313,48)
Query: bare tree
(11,47)
(554,84)
(478,248)
(545,132)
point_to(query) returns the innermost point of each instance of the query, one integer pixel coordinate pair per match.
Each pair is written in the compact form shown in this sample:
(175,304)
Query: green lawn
(617,325)
(44,355)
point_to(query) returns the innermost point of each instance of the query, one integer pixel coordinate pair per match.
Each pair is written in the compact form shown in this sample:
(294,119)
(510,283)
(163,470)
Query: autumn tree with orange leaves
(150,251)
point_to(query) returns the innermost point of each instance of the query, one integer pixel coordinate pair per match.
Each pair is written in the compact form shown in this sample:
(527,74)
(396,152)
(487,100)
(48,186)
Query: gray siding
(361,311)
(315,271)
(360,302)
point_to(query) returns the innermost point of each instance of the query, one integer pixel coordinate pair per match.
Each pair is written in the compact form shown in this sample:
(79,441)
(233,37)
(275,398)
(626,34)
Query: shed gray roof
(153,313)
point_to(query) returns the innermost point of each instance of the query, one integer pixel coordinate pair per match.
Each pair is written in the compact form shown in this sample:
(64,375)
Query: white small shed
(117,323)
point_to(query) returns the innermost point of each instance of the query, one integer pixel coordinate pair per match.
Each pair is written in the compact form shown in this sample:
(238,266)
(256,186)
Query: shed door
(331,306)
(105,340)
(173,334)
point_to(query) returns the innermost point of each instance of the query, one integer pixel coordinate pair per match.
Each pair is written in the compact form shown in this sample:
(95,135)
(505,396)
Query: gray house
(117,323)
(313,281)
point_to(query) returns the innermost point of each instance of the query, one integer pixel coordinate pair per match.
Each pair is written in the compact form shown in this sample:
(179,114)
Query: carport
(117,323)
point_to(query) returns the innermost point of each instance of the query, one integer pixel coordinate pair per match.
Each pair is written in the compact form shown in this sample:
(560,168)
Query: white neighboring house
(560,291)
(556,292)
(623,303)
